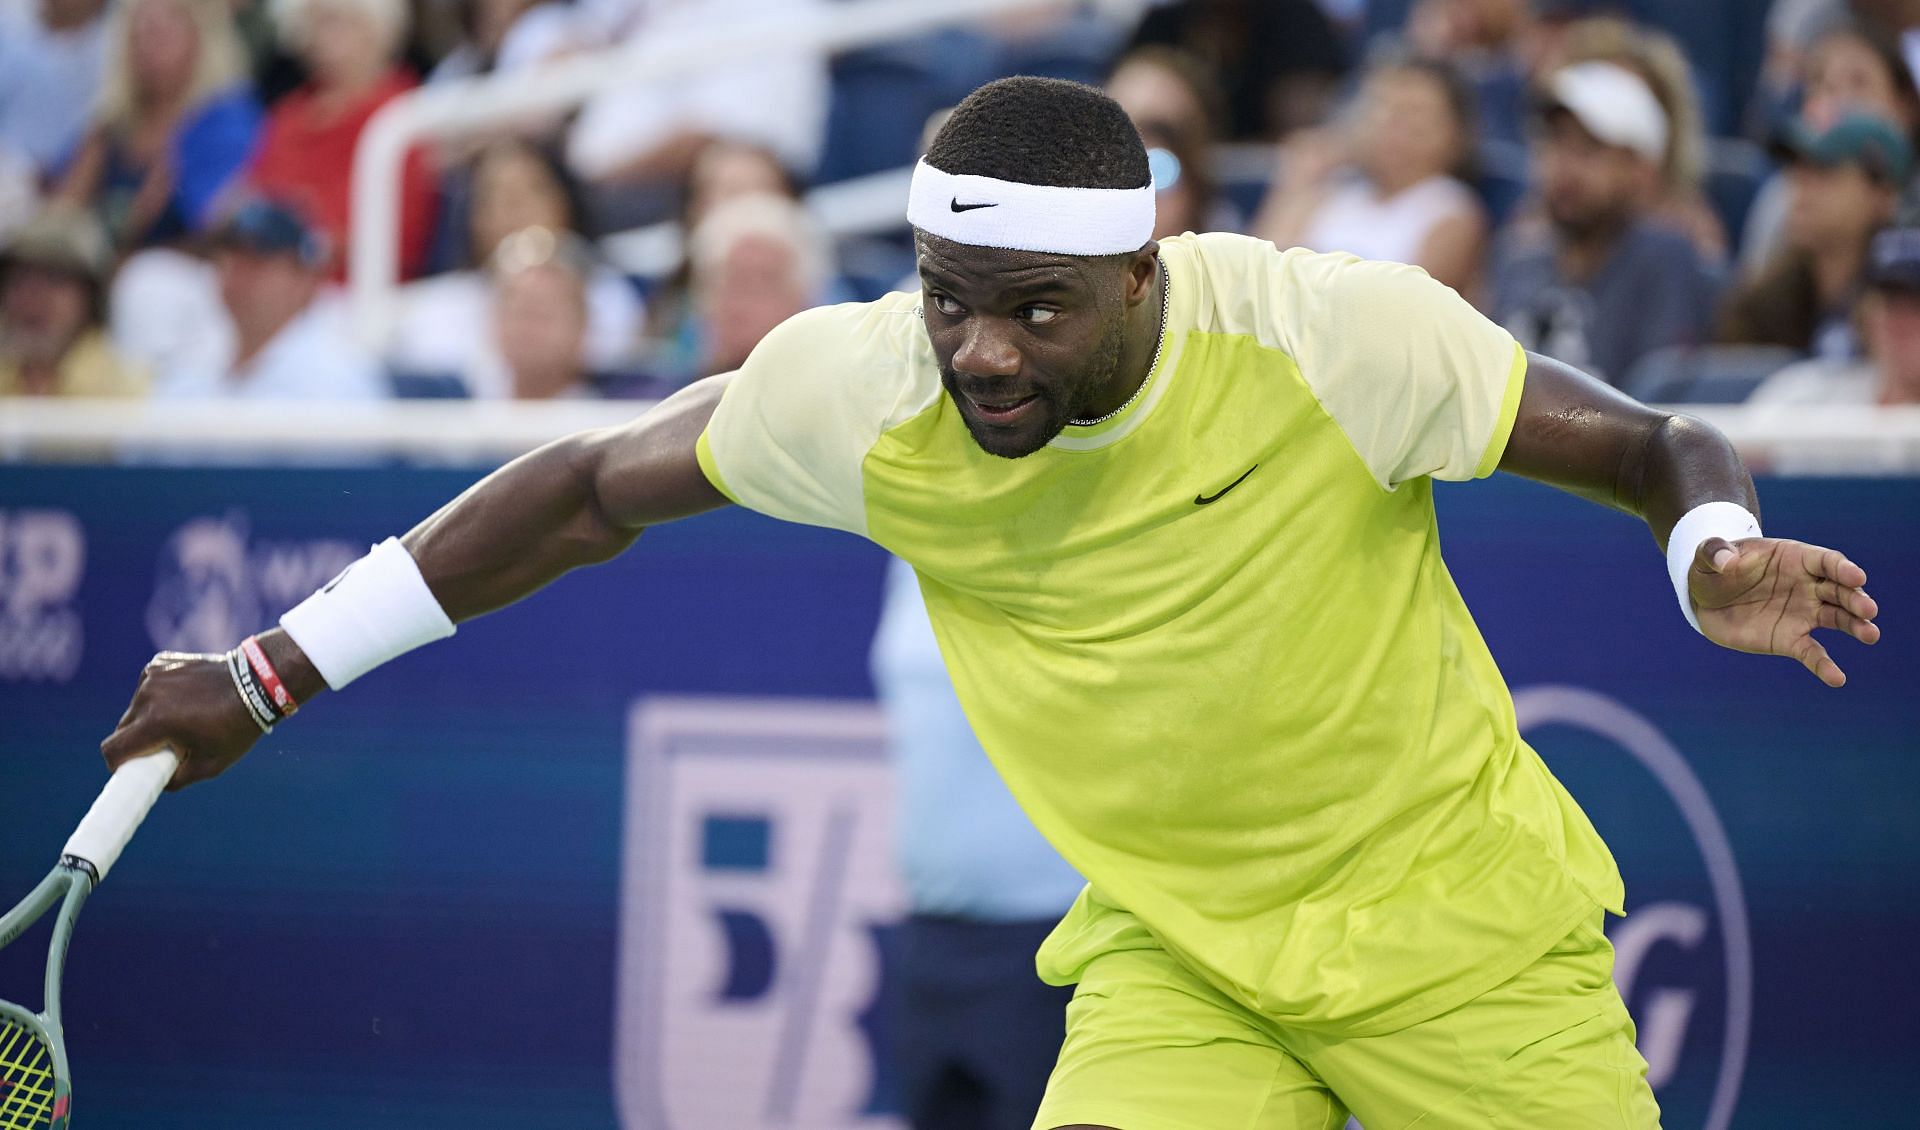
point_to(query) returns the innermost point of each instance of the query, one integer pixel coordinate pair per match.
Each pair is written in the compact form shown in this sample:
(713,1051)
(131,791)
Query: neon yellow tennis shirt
(1257,716)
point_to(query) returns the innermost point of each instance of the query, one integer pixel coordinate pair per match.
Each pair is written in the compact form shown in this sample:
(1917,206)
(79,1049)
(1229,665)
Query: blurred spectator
(651,133)
(164,312)
(1391,186)
(1185,198)
(1851,67)
(506,35)
(757,260)
(1487,41)
(1792,29)
(514,185)
(1180,111)
(1171,93)
(753,262)
(1845,182)
(1279,61)
(349,48)
(540,313)
(175,124)
(289,342)
(723,171)
(1858,66)
(51,65)
(53,339)
(975,1033)
(1890,325)
(1605,285)
(1655,56)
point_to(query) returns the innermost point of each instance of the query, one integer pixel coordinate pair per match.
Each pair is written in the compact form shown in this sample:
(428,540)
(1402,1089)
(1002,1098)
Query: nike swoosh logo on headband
(959,207)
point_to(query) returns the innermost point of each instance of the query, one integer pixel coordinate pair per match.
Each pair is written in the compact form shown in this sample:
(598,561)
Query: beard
(1057,401)
(1585,221)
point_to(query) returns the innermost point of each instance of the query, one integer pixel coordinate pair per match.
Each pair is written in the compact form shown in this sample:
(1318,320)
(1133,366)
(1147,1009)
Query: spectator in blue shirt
(176,123)
(976,1032)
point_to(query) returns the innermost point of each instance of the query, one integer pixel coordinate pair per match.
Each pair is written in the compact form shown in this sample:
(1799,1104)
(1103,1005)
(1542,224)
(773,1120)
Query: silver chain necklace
(1166,287)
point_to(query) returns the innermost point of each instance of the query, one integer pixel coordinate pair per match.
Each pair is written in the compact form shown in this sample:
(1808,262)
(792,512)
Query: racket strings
(26,1079)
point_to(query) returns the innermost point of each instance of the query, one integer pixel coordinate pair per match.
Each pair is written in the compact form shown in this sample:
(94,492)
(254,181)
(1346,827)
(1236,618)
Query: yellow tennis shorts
(1152,1046)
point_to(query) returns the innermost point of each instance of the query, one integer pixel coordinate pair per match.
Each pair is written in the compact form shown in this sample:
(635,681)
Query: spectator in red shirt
(349,48)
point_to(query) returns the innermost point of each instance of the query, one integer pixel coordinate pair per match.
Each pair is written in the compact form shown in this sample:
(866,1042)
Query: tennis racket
(36,1089)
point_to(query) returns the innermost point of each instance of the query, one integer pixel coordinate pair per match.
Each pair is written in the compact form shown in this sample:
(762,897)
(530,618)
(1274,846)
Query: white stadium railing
(468,105)
(427,431)
(1827,441)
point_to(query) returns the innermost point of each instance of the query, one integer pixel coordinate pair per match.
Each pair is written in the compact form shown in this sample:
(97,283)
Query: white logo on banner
(1663,1013)
(758,861)
(216,585)
(43,556)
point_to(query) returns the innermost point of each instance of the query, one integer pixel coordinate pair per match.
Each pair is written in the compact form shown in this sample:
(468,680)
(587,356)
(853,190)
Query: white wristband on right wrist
(1727,520)
(379,609)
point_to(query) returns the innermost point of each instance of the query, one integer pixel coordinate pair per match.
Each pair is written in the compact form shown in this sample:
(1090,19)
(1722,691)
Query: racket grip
(103,833)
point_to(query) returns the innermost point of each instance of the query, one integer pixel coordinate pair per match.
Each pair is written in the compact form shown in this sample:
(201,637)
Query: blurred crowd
(1612,181)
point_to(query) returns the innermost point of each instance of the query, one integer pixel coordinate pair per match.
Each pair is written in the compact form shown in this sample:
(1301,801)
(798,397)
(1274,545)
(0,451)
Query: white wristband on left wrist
(379,609)
(1727,520)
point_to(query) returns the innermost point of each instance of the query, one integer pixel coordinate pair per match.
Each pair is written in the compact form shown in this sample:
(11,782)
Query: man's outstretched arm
(1755,594)
(577,501)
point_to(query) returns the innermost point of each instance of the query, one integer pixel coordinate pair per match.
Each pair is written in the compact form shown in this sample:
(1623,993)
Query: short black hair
(1042,131)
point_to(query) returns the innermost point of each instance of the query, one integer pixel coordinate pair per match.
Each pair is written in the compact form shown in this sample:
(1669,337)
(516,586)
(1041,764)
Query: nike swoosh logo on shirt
(1210,499)
(959,207)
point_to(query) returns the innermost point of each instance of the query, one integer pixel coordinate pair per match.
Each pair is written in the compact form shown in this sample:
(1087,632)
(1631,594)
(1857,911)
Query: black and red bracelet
(261,690)
(278,696)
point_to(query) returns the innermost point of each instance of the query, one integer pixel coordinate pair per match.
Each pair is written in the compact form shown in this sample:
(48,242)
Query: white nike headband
(986,212)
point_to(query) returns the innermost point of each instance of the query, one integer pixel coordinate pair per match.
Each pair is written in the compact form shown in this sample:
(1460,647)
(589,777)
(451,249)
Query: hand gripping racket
(36,1089)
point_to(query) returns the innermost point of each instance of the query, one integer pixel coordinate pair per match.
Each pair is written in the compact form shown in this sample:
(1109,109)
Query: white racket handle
(103,833)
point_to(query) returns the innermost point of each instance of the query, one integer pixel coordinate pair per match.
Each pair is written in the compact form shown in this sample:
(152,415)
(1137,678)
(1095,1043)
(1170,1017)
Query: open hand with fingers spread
(1767,595)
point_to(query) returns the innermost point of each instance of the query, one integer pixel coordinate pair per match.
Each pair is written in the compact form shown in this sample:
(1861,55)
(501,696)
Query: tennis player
(1171,507)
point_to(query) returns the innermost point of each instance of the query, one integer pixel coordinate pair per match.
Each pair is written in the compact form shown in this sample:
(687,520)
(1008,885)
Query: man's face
(1587,185)
(42,311)
(1026,341)
(263,290)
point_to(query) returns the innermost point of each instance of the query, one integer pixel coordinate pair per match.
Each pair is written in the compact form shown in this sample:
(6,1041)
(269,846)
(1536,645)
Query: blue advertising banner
(496,884)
